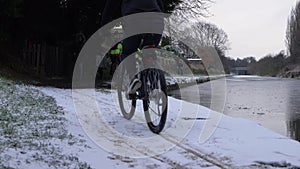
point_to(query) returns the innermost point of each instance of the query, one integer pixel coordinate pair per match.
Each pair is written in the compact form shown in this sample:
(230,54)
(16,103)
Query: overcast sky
(255,27)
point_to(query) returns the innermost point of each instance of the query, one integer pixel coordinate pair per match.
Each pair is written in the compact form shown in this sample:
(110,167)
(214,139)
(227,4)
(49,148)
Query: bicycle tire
(121,90)
(156,85)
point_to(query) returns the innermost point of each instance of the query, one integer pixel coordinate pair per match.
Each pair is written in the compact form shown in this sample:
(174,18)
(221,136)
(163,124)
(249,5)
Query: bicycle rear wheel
(156,101)
(127,106)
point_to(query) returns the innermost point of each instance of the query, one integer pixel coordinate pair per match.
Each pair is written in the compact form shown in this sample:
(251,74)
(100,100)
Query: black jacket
(117,8)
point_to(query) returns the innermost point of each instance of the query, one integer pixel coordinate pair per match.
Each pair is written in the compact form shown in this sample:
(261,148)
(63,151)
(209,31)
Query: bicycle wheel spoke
(156,104)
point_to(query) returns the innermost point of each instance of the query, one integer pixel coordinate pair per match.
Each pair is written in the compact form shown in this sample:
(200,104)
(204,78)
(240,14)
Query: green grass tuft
(30,122)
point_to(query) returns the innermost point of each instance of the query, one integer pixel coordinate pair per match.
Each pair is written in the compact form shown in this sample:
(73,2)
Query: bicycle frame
(143,93)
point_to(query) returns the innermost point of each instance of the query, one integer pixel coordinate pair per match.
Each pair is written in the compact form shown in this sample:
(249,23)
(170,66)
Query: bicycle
(153,93)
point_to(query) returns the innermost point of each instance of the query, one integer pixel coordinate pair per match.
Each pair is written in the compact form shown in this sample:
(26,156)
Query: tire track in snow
(187,149)
(207,157)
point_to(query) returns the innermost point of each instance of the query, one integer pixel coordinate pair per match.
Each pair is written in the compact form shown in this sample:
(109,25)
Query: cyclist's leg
(130,45)
(111,71)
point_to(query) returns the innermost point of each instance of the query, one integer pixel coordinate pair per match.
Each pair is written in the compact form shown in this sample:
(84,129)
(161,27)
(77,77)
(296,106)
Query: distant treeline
(270,65)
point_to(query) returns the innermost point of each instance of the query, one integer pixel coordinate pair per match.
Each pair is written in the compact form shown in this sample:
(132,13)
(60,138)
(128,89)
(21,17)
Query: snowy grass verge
(33,130)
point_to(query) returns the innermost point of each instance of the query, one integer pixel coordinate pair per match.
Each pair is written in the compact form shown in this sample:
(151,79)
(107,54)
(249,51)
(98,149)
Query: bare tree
(293,35)
(188,9)
(211,36)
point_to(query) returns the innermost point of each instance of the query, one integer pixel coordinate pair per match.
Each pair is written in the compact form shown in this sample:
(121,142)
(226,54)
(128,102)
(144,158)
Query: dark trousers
(131,45)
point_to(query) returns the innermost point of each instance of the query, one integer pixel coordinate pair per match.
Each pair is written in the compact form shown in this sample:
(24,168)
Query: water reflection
(294,129)
(293,116)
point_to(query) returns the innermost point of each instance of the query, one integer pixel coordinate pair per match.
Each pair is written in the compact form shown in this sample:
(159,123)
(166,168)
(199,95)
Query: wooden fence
(46,60)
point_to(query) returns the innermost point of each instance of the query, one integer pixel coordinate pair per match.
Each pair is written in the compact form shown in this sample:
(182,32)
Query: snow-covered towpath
(236,143)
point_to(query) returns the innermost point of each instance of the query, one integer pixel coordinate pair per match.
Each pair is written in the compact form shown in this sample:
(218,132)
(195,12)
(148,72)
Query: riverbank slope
(290,72)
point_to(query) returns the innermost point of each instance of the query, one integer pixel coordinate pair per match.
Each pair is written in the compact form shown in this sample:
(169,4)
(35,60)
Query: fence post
(38,59)
(43,55)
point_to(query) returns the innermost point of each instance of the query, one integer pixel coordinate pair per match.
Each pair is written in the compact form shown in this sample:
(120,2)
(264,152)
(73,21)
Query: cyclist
(117,8)
(115,57)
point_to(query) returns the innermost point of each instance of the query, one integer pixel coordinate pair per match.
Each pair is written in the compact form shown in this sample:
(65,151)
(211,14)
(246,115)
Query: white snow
(173,80)
(235,143)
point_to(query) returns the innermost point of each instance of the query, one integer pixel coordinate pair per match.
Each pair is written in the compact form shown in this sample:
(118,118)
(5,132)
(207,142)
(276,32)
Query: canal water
(272,102)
